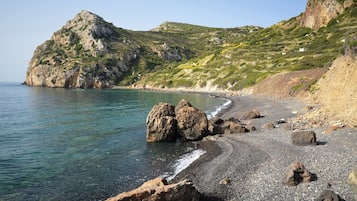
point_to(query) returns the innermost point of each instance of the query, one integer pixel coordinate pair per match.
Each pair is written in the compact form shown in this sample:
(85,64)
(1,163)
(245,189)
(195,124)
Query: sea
(76,144)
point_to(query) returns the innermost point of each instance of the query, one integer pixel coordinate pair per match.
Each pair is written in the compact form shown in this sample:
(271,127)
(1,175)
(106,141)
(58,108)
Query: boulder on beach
(233,125)
(303,138)
(191,122)
(161,125)
(252,114)
(296,174)
(167,123)
(159,190)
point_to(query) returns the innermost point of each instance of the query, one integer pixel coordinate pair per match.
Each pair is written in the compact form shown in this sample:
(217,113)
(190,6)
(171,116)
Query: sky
(27,24)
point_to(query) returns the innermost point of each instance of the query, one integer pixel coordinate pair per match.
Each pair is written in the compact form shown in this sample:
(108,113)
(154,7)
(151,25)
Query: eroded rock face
(192,123)
(161,124)
(319,13)
(159,190)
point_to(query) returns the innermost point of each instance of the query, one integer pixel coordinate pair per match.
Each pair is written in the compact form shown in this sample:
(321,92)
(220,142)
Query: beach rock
(296,174)
(352,181)
(233,125)
(192,123)
(250,128)
(268,126)
(159,190)
(302,138)
(225,181)
(161,125)
(215,126)
(252,114)
(328,195)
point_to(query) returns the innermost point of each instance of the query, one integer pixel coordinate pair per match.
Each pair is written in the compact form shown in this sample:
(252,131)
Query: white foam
(217,110)
(184,161)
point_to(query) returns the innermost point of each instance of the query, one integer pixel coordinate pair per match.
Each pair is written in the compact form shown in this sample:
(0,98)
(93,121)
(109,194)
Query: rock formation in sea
(166,123)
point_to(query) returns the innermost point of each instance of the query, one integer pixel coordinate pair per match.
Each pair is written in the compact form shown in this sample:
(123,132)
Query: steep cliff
(79,54)
(318,13)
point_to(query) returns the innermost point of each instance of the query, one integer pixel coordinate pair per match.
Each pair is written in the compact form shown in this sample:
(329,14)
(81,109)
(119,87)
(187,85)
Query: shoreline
(253,164)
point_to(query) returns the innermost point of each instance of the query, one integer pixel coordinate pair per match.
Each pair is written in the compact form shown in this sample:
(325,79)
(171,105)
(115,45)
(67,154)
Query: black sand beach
(251,166)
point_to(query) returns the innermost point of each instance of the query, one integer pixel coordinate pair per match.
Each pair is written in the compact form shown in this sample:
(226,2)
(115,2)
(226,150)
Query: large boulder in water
(158,190)
(191,122)
(161,125)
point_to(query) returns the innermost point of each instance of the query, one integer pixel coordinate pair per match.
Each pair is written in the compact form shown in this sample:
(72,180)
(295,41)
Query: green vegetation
(184,55)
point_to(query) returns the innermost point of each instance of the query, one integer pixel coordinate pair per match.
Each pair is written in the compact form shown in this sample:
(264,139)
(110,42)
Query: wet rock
(296,174)
(303,138)
(159,190)
(192,123)
(161,125)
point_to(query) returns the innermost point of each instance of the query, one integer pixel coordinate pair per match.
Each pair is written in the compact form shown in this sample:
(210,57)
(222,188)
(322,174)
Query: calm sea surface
(63,144)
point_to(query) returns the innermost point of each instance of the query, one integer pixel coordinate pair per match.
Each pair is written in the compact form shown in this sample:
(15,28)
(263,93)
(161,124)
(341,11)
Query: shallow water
(62,144)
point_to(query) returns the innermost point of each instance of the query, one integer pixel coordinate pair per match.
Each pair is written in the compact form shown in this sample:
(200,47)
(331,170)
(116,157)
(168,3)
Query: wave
(217,110)
(183,162)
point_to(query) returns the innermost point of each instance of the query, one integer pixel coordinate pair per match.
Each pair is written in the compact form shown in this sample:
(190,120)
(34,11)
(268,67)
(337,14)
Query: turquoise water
(63,144)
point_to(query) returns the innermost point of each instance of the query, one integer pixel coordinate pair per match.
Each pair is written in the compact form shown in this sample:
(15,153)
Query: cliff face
(318,13)
(89,52)
(66,60)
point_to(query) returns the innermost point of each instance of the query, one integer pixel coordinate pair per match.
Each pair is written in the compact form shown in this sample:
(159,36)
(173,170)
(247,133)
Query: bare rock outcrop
(319,13)
(159,190)
(161,124)
(297,173)
(79,55)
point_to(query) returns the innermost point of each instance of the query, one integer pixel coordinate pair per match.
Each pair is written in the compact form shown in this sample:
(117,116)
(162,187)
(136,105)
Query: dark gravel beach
(251,166)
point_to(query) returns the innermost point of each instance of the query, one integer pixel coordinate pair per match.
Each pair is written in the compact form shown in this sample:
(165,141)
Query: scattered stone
(252,114)
(268,126)
(328,195)
(159,190)
(334,126)
(225,181)
(250,128)
(233,125)
(352,181)
(297,173)
(161,125)
(303,138)
(191,122)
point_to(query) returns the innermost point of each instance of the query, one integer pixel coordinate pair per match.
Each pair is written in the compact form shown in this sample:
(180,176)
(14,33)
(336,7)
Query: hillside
(89,52)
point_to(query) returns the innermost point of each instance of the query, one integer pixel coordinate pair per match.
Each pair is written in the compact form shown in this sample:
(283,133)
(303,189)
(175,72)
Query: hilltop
(284,60)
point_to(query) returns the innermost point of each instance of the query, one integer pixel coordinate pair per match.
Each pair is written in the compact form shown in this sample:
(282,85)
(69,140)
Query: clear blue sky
(27,24)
